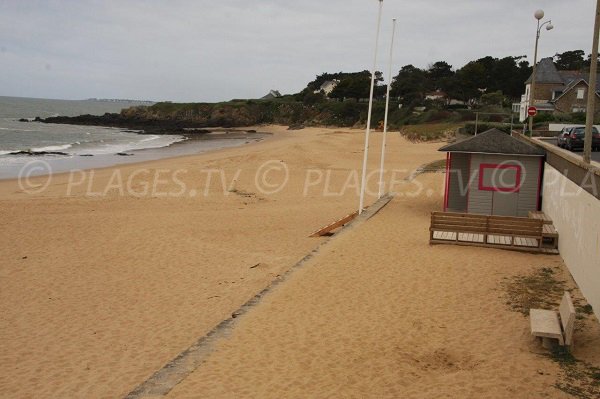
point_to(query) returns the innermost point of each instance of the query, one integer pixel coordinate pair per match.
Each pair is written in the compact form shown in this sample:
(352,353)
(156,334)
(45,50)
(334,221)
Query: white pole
(387,108)
(368,131)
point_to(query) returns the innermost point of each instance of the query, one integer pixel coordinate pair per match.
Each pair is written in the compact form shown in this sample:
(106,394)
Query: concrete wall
(576,216)
(557,127)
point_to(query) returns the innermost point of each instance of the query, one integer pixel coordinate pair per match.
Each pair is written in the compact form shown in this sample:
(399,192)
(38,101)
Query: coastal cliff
(176,117)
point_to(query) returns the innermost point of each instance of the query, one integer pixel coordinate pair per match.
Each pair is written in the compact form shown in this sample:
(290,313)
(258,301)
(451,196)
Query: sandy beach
(107,275)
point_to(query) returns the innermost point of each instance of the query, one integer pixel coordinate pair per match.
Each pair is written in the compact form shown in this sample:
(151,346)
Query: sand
(381,314)
(107,276)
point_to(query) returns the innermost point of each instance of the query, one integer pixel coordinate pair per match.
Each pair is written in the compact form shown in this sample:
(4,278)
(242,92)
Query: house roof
(571,77)
(544,106)
(546,72)
(272,94)
(571,86)
(494,141)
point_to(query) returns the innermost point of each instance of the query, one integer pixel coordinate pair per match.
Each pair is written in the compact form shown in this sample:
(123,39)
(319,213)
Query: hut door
(504,204)
(503,181)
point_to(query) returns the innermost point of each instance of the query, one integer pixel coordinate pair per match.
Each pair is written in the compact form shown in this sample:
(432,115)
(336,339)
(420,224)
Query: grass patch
(543,290)
(435,166)
(431,167)
(539,290)
(579,379)
(429,132)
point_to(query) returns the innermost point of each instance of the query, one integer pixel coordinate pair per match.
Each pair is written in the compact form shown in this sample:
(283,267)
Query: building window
(580,94)
(578,109)
(499,177)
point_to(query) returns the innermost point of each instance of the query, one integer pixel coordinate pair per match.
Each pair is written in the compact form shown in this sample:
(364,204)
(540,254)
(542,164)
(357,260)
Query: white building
(328,86)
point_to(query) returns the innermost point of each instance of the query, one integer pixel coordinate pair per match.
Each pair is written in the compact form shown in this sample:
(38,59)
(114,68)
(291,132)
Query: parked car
(576,138)
(561,139)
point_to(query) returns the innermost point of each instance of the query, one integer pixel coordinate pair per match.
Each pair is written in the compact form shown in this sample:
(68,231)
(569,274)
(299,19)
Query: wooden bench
(540,215)
(523,231)
(550,235)
(548,324)
(483,230)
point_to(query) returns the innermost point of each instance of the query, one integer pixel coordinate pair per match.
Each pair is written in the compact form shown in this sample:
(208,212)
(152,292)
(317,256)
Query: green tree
(320,79)
(356,85)
(508,77)
(588,61)
(570,60)
(411,83)
(494,98)
(469,80)
(438,74)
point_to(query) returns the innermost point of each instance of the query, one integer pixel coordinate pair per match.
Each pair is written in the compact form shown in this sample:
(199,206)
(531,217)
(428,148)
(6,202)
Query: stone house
(557,91)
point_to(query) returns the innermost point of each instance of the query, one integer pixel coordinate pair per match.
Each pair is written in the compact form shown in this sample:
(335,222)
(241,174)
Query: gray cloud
(217,50)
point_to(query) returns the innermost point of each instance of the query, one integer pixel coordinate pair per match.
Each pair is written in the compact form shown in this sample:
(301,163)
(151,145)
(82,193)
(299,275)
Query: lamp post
(387,109)
(591,100)
(368,130)
(539,14)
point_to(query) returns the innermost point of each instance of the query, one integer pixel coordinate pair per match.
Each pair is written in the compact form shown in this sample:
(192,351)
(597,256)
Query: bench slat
(458,222)
(544,323)
(567,317)
(506,231)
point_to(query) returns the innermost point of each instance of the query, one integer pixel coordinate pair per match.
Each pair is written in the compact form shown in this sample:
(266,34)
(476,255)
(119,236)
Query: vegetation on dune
(440,97)
(429,132)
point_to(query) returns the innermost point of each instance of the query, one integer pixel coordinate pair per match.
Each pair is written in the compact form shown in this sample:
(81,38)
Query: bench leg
(549,343)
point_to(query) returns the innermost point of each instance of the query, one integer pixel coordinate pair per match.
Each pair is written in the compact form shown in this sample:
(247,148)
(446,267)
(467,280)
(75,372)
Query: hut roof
(494,141)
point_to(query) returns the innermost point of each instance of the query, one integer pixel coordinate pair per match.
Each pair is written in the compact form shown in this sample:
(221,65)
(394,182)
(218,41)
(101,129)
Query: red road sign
(532,111)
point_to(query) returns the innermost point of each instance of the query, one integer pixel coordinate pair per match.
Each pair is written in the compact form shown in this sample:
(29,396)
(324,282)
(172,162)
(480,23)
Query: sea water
(83,146)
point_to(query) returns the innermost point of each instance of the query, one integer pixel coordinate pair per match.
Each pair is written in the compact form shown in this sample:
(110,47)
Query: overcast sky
(201,50)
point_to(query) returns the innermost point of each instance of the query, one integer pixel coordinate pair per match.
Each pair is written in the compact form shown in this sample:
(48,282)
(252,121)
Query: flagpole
(368,130)
(387,108)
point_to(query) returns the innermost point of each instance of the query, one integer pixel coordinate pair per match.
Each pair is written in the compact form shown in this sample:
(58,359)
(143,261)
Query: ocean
(81,147)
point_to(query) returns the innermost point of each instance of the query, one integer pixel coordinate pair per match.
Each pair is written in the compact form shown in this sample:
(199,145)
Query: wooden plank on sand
(338,223)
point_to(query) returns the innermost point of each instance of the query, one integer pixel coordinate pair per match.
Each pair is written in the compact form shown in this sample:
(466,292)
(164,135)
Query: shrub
(483,126)
(543,117)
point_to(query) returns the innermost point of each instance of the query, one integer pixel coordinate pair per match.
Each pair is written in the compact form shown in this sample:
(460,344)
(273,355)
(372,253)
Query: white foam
(53,148)
(153,137)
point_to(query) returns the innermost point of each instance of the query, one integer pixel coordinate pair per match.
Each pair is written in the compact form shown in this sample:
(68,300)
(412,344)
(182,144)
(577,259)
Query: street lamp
(539,14)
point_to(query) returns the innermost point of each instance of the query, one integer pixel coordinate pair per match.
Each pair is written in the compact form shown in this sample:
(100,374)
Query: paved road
(595,154)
